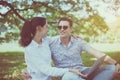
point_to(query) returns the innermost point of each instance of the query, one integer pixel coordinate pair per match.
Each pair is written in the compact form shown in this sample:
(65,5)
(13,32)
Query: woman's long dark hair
(29,29)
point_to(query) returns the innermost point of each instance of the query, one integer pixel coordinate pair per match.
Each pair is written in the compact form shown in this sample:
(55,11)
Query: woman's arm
(38,64)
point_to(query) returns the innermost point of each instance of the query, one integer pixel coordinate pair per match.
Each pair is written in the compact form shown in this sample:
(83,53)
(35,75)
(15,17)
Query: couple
(64,50)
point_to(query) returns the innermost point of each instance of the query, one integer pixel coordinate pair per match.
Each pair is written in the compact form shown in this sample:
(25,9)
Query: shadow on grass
(12,63)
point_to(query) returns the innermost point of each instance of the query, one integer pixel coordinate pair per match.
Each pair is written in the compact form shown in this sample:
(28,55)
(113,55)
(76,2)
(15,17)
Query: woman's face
(44,30)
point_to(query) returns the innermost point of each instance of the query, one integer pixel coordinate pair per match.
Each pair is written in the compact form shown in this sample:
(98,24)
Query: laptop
(95,66)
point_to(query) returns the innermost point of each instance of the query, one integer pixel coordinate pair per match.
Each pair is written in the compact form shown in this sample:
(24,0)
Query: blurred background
(96,21)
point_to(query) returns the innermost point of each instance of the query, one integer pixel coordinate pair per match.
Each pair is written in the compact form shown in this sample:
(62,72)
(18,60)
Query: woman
(37,52)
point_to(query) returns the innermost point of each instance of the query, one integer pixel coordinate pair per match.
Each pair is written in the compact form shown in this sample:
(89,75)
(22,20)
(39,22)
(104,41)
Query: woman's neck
(38,39)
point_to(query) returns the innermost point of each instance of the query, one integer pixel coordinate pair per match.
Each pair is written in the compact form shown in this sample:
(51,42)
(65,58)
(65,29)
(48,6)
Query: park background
(96,21)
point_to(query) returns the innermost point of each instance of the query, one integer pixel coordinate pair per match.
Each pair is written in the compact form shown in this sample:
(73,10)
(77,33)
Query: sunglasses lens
(59,27)
(64,27)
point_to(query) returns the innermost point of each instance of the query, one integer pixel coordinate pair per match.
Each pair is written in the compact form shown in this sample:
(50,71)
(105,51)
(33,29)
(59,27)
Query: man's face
(64,29)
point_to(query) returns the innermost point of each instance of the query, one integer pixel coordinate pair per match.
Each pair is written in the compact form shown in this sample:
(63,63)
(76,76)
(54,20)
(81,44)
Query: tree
(17,12)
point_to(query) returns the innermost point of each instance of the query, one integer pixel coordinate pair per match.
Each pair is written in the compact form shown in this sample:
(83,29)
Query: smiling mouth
(62,32)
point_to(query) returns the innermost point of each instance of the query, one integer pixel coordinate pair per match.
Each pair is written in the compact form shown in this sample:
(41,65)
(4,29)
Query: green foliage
(52,10)
(92,26)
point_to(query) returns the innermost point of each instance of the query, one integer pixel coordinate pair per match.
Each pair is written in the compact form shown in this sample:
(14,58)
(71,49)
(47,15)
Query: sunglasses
(62,27)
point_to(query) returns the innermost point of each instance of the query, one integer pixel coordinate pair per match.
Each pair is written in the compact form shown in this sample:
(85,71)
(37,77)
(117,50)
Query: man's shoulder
(53,39)
(77,39)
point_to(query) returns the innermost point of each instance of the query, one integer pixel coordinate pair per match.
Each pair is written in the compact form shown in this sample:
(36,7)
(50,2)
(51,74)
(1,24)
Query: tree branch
(5,13)
(5,3)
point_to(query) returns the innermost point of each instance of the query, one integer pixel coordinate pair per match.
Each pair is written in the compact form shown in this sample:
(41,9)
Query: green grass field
(12,63)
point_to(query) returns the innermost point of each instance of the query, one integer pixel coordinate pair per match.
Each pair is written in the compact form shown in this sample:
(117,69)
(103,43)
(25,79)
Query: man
(66,53)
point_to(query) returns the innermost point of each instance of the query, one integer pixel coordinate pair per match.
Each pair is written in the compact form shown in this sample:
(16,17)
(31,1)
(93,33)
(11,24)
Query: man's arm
(99,54)
(108,59)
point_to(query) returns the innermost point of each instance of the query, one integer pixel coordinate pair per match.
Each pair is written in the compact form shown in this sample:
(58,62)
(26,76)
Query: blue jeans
(103,73)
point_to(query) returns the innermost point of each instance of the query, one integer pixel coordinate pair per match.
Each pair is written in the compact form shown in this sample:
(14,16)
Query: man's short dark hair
(66,19)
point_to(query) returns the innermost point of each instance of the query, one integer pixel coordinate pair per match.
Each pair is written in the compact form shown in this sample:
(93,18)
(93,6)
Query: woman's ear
(38,28)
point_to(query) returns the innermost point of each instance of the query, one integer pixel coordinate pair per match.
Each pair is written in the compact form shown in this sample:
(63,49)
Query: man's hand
(117,72)
(77,36)
(78,73)
(25,75)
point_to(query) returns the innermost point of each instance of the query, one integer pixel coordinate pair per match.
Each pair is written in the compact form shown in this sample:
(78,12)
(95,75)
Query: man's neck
(65,40)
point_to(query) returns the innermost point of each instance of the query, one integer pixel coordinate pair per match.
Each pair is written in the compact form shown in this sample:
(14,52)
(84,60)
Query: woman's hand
(25,75)
(78,73)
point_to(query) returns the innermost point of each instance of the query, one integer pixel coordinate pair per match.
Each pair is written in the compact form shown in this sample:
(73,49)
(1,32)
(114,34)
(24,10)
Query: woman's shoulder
(32,44)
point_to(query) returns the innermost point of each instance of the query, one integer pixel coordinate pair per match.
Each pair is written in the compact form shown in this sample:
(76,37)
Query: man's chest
(60,50)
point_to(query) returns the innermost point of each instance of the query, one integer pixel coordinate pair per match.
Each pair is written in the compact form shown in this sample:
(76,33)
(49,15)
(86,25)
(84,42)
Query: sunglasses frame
(62,27)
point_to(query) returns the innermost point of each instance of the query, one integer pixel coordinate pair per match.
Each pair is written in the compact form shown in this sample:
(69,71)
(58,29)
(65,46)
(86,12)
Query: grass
(12,63)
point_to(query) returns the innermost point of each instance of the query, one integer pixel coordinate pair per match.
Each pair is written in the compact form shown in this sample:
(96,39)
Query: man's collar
(71,40)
